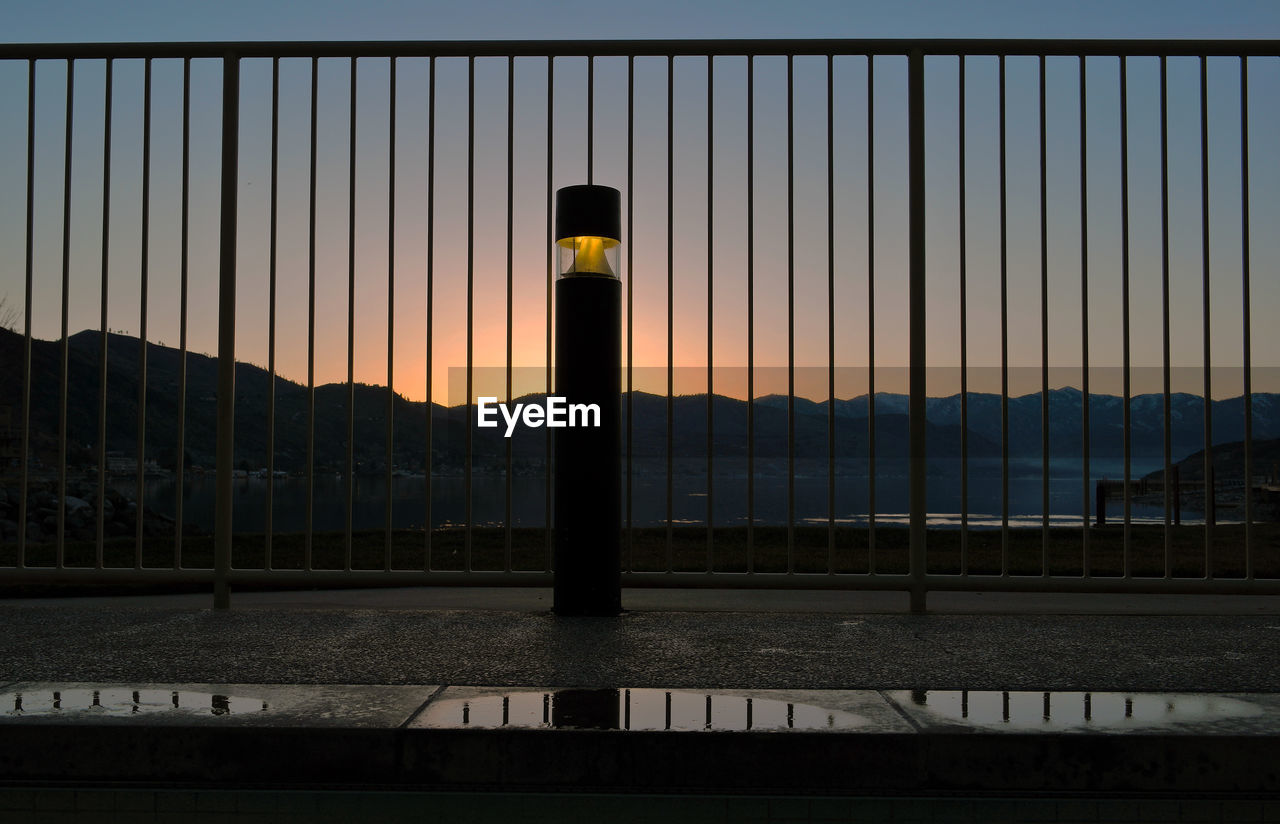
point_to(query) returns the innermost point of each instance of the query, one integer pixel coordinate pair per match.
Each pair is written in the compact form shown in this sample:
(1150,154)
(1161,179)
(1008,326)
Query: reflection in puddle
(1075,710)
(632,709)
(116,702)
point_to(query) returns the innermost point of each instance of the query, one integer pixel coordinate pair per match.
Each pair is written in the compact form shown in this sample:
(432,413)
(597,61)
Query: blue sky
(93,20)
(144,20)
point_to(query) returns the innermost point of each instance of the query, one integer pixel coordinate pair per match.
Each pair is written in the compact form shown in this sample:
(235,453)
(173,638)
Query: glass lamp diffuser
(588,231)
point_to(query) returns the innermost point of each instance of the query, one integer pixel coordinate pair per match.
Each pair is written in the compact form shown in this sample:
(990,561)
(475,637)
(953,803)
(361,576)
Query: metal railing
(918,63)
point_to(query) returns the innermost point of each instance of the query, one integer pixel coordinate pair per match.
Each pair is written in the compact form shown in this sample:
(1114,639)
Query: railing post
(916,227)
(226,331)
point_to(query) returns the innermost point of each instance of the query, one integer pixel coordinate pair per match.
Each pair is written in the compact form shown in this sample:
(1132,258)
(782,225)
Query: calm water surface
(728,495)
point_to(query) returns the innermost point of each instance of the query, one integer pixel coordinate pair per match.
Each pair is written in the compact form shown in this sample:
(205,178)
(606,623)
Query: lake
(688,498)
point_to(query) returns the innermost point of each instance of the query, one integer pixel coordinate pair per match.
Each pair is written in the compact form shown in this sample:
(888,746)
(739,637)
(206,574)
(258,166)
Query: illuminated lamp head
(588,230)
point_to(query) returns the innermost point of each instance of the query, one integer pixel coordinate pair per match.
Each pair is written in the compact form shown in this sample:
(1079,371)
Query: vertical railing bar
(670,294)
(1084,318)
(831,320)
(1044,331)
(1126,547)
(100,531)
(471,213)
(391,303)
(271,310)
(1210,480)
(182,313)
(226,329)
(427,524)
(351,321)
(917,331)
(710,314)
(871,317)
(964,338)
(1164,278)
(591,118)
(1004,337)
(551,93)
(631,138)
(143,268)
(1246,330)
(751,318)
(24,458)
(791,322)
(511,142)
(66,343)
(511,78)
(311,329)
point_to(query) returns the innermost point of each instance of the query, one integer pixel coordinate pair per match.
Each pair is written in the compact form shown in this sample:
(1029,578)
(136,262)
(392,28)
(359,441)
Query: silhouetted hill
(1228,461)
(161,427)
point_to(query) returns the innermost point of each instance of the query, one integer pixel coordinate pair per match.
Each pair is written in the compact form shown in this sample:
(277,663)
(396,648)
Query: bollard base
(588,482)
(587,612)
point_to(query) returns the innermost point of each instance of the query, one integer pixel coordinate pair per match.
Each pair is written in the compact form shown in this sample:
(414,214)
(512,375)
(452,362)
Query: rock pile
(81,519)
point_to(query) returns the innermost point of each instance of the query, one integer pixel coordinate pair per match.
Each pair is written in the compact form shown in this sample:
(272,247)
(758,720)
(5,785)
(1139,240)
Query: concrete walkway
(670,639)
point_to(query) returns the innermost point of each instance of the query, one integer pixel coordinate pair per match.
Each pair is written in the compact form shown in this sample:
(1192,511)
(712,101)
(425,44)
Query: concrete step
(645,740)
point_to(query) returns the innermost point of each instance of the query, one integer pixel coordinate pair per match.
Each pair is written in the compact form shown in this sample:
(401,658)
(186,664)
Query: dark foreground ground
(363,706)
(707,639)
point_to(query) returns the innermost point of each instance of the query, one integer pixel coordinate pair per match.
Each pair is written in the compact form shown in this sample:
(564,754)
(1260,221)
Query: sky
(149,20)
(647,247)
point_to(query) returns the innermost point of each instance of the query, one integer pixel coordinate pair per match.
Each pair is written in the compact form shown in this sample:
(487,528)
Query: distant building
(119,464)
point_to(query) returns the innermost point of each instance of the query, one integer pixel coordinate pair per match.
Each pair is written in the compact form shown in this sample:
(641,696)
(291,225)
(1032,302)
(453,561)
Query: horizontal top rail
(640,48)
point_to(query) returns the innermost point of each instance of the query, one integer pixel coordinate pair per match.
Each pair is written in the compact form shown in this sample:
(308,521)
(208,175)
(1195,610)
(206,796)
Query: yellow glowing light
(588,254)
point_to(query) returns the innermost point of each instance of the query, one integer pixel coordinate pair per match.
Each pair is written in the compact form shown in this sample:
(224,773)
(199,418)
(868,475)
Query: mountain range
(649,435)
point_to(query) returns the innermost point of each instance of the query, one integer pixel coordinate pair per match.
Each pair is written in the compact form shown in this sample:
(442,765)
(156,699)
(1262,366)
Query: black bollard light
(588,516)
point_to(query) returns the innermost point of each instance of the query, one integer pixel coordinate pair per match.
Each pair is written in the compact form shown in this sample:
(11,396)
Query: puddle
(632,709)
(122,702)
(1074,710)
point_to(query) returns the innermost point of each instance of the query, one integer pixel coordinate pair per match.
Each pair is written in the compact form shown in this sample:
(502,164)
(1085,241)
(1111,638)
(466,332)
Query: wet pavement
(637,709)
(637,739)
(238,705)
